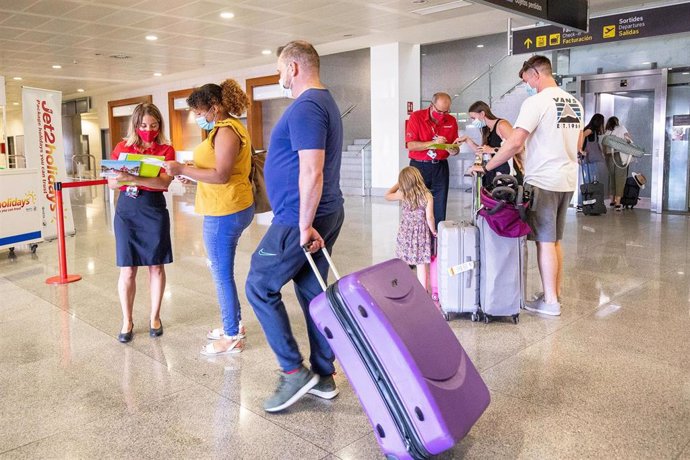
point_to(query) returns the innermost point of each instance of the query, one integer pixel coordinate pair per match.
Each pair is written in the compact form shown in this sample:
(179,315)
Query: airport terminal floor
(610,378)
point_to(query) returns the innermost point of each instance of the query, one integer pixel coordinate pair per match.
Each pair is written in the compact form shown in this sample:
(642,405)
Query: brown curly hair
(228,95)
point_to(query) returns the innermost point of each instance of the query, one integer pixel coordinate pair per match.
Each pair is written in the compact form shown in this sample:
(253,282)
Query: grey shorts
(546,215)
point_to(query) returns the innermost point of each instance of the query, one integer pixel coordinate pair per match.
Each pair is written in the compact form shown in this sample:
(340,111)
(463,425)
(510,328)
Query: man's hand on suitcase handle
(311,240)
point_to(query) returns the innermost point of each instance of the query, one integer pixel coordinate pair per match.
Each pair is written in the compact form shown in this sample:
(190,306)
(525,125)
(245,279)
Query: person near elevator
(593,165)
(617,167)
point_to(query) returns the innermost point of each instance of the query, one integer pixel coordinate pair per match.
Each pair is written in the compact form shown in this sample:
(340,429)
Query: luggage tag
(462,268)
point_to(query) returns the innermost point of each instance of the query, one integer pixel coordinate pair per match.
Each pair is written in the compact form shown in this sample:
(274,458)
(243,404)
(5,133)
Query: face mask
(204,123)
(437,116)
(479,124)
(287,92)
(531,91)
(147,136)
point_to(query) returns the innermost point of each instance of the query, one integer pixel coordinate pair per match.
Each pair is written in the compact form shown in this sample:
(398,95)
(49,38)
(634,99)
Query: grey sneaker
(326,388)
(540,295)
(539,306)
(291,387)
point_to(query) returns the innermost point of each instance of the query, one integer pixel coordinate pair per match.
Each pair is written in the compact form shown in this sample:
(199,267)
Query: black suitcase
(631,193)
(592,194)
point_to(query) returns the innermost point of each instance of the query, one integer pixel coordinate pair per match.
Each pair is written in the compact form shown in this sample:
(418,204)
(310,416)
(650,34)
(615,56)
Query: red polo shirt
(166,151)
(422,127)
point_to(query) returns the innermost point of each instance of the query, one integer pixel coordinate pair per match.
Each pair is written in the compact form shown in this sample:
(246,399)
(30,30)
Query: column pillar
(395,80)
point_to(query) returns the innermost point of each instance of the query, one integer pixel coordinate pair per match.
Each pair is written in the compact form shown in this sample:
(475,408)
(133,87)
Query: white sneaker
(539,306)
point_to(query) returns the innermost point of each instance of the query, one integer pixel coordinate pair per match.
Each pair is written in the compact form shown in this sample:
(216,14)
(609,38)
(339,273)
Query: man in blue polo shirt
(302,175)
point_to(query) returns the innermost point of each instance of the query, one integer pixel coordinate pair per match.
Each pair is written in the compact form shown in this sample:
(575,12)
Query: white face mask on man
(284,88)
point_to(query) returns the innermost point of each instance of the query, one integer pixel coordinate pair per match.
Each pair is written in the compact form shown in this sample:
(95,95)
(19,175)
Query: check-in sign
(624,26)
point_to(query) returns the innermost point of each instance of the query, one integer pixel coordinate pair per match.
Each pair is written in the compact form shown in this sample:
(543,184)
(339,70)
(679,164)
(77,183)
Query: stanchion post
(63,277)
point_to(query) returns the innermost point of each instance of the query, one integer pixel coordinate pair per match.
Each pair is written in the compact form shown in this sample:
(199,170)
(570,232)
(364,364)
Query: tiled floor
(610,378)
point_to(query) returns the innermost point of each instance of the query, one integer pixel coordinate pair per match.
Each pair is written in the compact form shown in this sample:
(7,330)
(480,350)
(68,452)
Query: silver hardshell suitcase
(458,268)
(503,273)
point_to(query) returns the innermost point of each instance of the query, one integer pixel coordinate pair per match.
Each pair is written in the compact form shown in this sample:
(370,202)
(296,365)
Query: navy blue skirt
(142,230)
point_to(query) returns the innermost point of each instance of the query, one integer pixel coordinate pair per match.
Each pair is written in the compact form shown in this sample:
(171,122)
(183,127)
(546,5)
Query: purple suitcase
(420,390)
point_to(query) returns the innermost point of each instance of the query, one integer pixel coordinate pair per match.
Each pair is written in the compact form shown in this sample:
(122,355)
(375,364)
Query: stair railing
(362,152)
(348,111)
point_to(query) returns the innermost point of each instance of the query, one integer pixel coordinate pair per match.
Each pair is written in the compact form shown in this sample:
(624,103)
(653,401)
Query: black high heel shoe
(126,336)
(156,332)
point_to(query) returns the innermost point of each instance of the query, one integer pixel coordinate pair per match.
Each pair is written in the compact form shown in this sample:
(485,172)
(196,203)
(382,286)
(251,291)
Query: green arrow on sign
(528,43)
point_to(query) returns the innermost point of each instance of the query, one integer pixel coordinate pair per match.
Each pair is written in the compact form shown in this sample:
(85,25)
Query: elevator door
(635,111)
(638,99)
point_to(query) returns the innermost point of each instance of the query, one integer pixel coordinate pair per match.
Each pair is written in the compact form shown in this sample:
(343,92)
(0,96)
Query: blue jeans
(221,234)
(278,259)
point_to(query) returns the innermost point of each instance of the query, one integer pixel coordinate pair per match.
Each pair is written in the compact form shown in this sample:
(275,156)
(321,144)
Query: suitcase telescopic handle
(315,269)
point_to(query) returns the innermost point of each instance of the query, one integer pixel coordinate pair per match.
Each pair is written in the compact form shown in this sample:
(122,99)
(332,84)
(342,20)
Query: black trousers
(437,178)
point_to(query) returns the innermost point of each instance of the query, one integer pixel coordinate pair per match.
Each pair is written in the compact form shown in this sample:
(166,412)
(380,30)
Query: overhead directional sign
(623,26)
(571,14)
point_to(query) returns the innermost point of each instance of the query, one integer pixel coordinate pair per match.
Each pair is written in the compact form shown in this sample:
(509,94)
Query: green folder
(150,164)
(444,146)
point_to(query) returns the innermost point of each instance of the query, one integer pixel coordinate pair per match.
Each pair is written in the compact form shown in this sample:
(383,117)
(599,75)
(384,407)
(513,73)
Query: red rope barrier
(63,277)
(84,183)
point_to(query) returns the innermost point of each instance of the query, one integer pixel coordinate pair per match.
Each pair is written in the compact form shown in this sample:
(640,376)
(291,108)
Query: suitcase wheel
(486,319)
(474,317)
(446,316)
(516,319)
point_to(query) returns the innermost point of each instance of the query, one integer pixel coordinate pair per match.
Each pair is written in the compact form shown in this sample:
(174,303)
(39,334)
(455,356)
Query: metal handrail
(364,170)
(475,79)
(90,158)
(348,111)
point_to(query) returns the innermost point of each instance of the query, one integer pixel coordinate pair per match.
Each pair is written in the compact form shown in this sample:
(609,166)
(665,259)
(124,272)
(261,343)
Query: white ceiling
(89,38)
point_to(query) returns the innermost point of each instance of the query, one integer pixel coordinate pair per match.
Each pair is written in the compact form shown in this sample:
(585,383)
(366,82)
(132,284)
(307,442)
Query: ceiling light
(441,7)
(15,103)
(80,90)
(157,74)
(57,66)
(266,52)
(480,46)
(151,38)
(686,73)
(17,78)
(646,63)
(227,15)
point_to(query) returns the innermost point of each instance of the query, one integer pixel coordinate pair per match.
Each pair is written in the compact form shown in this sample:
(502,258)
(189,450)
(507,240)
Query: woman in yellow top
(224,197)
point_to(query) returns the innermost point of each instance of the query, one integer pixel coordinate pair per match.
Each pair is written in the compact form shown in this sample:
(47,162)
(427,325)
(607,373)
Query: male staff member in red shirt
(433,125)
